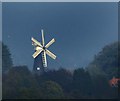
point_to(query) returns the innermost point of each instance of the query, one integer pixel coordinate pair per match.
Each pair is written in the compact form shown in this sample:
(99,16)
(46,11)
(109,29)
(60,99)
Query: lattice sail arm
(50,54)
(37,53)
(36,42)
(50,43)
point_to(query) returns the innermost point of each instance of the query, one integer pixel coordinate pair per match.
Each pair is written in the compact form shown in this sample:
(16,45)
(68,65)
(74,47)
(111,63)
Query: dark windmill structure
(40,60)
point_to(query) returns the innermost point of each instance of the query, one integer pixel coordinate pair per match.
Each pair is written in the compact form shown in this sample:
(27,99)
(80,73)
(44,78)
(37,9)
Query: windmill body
(38,65)
(40,60)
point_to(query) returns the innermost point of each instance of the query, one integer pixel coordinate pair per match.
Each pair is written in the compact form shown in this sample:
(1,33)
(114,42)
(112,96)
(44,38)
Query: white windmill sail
(36,42)
(44,59)
(43,41)
(50,54)
(37,53)
(50,43)
(42,48)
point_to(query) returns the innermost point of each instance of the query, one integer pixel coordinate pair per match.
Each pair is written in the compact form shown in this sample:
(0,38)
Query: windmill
(41,50)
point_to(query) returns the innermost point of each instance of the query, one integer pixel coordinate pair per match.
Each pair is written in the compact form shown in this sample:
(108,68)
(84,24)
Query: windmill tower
(40,60)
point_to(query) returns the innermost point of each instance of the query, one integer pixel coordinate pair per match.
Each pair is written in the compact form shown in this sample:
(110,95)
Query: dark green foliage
(19,83)
(107,60)
(61,76)
(95,71)
(102,89)
(104,66)
(82,84)
(51,90)
(6,59)
(91,82)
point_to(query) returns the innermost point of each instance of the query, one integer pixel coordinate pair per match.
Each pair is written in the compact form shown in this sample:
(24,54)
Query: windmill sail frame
(41,51)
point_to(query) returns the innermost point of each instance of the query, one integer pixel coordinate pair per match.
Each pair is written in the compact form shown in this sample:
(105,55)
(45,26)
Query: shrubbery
(92,82)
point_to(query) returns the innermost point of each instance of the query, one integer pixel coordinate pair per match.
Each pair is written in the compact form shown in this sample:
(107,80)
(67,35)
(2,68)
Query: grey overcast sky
(81,30)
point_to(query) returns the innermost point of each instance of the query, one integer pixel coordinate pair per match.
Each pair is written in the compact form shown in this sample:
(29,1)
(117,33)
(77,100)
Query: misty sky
(81,30)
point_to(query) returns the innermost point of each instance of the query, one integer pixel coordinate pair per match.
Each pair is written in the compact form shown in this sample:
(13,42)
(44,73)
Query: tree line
(84,83)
